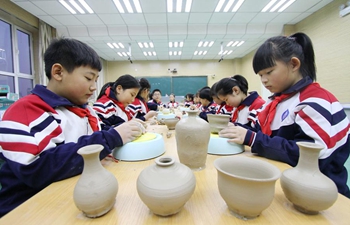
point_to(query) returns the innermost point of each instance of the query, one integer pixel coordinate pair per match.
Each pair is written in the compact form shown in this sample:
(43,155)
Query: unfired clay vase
(192,138)
(247,185)
(166,186)
(170,123)
(305,186)
(96,189)
(217,122)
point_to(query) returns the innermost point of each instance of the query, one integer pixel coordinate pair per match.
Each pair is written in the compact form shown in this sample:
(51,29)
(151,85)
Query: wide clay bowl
(217,122)
(247,185)
(170,123)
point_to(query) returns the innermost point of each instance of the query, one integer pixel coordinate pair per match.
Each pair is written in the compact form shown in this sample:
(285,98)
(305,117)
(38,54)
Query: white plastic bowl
(219,146)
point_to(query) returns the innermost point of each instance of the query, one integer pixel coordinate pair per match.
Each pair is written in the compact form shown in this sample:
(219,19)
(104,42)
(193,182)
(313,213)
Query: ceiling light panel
(277,5)
(128,6)
(228,5)
(75,7)
(178,6)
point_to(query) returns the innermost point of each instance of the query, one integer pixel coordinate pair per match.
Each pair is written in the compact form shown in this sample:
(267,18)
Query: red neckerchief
(266,116)
(93,121)
(235,113)
(118,103)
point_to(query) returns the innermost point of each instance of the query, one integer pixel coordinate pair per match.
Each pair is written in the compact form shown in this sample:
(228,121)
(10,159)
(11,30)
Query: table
(55,205)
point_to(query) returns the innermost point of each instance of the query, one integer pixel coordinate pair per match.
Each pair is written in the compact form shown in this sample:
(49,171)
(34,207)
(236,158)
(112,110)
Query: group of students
(41,133)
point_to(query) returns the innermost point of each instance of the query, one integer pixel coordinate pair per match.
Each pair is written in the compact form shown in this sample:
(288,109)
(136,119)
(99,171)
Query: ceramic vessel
(247,185)
(305,186)
(166,186)
(217,122)
(96,189)
(170,123)
(192,138)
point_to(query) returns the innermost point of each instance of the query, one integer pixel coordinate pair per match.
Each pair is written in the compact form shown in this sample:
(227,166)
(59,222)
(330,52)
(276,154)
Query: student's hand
(130,130)
(193,107)
(235,134)
(150,114)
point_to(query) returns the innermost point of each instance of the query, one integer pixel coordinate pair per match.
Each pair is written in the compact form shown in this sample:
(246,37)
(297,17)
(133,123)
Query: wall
(185,68)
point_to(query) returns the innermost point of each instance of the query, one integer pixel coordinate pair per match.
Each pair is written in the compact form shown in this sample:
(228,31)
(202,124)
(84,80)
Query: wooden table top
(55,205)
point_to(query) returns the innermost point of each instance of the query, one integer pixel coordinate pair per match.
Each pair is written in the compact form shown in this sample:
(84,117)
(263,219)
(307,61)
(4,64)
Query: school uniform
(110,110)
(153,104)
(172,105)
(305,112)
(188,103)
(209,109)
(246,112)
(40,137)
(224,109)
(138,109)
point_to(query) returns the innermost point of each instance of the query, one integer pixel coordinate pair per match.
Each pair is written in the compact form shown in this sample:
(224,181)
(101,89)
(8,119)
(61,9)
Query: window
(16,54)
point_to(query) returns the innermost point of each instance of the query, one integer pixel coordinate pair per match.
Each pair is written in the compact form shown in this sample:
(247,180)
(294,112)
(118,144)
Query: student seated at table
(41,133)
(221,106)
(172,104)
(188,100)
(139,109)
(156,100)
(113,99)
(299,110)
(208,106)
(234,91)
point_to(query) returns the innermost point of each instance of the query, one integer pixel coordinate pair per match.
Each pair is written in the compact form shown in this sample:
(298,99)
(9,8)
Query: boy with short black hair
(41,133)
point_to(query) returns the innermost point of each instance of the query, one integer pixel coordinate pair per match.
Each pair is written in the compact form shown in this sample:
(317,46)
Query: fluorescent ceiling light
(277,5)
(140,44)
(200,52)
(286,5)
(119,6)
(175,52)
(128,6)
(228,6)
(200,44)
(170,5)
(229,52)
(170,53)
(145,53)
(219,5)
(76,6)
(121,45)
(240,43)
(230,43)
(176,44)
(234,44)
(145,44)
(205,52)
(268,5)
(124,54)
(67,7)
(181,44)
(86,6)
(120,54)
(154,53)
(180,52)
(149,53)
(178,5)
(137,6)
(205,44)
(151,45)
(110,45)
(188,5)
(195,53)
(237,6)
(211,43)
(170,44)
(116,45)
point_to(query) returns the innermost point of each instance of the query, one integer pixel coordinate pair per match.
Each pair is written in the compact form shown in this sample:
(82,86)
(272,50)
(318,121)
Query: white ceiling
(155,24)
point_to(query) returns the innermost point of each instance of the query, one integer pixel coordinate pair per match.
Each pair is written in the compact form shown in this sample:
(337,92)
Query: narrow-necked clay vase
(218,122)
(166,186)
(96,190)
(247,185)
(170,122)
(305,186)
(192,138)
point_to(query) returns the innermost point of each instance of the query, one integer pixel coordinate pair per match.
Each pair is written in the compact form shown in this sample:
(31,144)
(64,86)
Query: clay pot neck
(308,155)
(165,161)
(91,158)
(192,113)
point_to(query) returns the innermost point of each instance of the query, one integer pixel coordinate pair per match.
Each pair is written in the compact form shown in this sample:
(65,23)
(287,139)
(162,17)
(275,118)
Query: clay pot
(192,138)
(170,123)
(218,122)
(166,186)
(96,189)
(166,111)
(247,185)
(305,186)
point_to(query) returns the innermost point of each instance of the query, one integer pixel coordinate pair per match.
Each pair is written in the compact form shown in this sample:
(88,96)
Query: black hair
(126,81)
(204,93)
(282,48)
(144,85)
(70,53)
(190,96)
(155,91)
(225,85)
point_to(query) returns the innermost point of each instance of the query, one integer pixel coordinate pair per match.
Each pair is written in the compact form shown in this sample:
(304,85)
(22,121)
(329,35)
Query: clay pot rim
(277,173)
(218,115)
(90,149)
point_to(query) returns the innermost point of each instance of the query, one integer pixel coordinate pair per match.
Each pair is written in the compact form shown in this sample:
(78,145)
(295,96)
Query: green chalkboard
(179,85)
(183,85)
